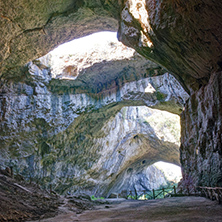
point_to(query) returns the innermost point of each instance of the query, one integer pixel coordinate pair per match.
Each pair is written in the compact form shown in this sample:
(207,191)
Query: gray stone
(79,142)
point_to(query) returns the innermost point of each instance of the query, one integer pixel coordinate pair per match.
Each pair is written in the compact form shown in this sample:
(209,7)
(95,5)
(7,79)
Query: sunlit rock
(138,178)
(99,148)
(59,129)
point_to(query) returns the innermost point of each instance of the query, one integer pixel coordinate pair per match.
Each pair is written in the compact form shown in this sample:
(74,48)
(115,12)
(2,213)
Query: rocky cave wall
(29,31)
(184,37)
(58,132)
(92,158)
(201,136)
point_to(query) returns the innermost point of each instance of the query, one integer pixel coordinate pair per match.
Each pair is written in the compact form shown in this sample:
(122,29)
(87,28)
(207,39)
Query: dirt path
(180,209)
(20,201)
(65,214)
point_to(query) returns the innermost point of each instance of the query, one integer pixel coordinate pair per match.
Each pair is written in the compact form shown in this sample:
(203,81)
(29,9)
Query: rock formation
(142,178)
(184,37)
(29,31)
(99,148)
(201,147)
(81,139)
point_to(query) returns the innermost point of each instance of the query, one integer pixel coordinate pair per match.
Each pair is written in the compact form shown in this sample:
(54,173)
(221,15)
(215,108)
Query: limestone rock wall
(201,137)
(35,106)
(69,139)
(31,111)
(100,146)
(183,36)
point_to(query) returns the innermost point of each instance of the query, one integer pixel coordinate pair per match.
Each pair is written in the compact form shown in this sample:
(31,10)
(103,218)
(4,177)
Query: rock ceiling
(183,37)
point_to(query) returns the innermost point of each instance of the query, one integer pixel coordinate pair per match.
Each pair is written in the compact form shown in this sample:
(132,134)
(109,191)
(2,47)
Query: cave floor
(182,209)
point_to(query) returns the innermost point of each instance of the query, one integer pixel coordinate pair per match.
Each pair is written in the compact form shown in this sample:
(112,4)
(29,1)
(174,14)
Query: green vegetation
(160,96)
(96,198)
(167,124)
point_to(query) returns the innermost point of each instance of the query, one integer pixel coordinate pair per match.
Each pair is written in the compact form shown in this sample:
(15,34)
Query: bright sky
(86,42)
(170,170)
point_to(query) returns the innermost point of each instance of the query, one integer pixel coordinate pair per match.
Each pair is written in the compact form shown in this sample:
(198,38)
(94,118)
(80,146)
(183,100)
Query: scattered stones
(20,201)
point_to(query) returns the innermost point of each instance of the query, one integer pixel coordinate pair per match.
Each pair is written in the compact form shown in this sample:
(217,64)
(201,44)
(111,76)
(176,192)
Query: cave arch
(181,35)
(75,111)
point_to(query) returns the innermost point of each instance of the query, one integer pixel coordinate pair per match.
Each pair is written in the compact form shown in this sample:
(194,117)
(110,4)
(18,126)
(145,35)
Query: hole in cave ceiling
(70,60)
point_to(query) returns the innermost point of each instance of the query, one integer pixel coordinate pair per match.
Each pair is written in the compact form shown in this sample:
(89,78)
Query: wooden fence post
(11,169)
(174,188)
(219,196)
(153,194)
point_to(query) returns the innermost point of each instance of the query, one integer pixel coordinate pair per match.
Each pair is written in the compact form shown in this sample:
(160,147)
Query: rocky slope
(20,201)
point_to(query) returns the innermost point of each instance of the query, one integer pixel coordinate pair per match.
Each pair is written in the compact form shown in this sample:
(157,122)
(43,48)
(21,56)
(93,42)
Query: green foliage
(96,198)
(44,149)
(160,96)
(132,197)
(49,159)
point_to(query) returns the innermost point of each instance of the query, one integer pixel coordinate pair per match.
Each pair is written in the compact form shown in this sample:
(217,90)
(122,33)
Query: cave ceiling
(184,37)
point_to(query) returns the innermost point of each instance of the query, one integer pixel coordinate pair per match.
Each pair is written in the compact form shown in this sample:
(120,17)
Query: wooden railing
(151,194)
(213,193)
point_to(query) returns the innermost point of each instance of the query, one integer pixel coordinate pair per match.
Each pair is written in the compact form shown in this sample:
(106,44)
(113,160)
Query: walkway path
(179,209)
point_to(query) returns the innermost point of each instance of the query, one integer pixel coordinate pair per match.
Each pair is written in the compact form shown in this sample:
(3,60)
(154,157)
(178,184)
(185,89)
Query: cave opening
(88,104)
(101,90)
(55,126)
(94,120)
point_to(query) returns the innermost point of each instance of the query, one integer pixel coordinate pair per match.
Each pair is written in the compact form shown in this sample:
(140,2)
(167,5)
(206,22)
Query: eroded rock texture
(30,30)
(105,146)
(79,138)
(184,37)
(201,143)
